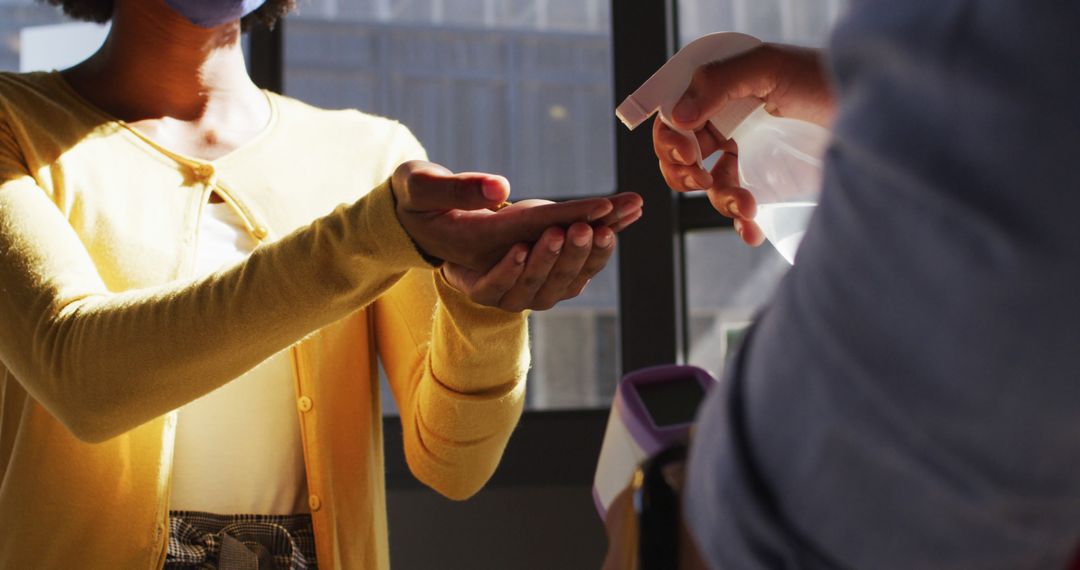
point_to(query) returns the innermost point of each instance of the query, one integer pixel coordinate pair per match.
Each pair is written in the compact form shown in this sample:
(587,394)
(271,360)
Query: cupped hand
(789,81)
(557,267)
(450,216)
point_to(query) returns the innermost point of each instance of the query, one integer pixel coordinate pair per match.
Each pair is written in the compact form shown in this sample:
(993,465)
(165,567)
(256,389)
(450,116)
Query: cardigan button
(304,403)
(203,171)
(314,502)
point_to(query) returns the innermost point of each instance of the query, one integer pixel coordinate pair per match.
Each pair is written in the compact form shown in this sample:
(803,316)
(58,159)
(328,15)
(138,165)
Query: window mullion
(650,254)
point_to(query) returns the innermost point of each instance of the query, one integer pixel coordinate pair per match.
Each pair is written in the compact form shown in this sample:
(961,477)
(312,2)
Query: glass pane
(802,22)
(726,283)
(575,348)
(521,88)
(20,52)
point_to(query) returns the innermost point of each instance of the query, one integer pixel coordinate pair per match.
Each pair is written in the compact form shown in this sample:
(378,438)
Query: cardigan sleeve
(105,362)
(457,370)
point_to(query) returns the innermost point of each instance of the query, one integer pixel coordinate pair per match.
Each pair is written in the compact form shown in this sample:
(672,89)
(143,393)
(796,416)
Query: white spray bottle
(779,158)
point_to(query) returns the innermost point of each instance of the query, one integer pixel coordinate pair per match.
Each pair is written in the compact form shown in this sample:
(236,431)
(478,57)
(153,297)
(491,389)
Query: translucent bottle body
(780,163)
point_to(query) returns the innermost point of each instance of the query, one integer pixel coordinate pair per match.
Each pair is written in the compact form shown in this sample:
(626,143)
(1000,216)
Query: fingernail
(689,182)
(733,207)
(492,190)
(581,240)
(686,111)
(556,246)
(520,256)
(605,241)
(678,156)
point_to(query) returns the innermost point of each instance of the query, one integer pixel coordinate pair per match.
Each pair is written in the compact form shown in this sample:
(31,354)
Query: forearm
(105,362)
(461,390)
(477,349)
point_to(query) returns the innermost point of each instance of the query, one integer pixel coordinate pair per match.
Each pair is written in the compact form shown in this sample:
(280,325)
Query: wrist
(404,220)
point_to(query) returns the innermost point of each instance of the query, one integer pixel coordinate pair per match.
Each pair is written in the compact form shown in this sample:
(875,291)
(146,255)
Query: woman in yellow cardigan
(196,280)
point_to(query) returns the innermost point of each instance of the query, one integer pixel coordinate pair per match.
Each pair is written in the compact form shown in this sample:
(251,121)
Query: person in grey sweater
(911,397)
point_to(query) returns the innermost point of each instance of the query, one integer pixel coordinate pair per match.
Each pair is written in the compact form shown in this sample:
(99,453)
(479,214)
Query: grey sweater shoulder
(911,398)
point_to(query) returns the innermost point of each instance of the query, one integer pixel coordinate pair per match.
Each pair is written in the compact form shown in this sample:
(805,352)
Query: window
(801,22)
(520,88)
(726,283)
(22,45)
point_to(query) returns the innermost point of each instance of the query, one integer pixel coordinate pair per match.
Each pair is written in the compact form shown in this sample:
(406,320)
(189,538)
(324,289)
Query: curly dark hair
(101,11)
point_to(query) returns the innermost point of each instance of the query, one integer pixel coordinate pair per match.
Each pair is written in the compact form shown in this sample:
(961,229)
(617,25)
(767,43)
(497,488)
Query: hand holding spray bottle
(779,158)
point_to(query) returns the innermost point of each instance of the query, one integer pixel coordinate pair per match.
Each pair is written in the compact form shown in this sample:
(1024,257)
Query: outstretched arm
(105,362)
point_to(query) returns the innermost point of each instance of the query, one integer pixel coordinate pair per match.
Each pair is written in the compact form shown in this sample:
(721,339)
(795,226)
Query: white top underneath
(238,449)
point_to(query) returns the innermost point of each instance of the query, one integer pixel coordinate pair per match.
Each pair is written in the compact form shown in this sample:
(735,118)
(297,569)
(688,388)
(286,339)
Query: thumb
(437,190)
(749,75)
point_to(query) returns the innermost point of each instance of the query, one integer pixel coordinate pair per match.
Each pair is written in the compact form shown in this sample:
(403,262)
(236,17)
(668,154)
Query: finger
(528,224)
(685,178)
(579,245)
(715,84)
(541,259)
(430,189)
(603,247)
(490,288)
(726,170)
(673,146)
(627,221)
(734,202)
(712,140)
(577,289)
(492,233)
(624,205)
(726,196)
(749,232)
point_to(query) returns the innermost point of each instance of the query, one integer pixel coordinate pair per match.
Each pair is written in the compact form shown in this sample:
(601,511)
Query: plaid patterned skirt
(207,541)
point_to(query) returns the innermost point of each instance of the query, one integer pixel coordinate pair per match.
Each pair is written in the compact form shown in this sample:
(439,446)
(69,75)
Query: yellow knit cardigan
(103,332)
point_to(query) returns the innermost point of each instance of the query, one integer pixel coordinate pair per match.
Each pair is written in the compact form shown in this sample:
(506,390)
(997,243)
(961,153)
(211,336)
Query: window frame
(652,302)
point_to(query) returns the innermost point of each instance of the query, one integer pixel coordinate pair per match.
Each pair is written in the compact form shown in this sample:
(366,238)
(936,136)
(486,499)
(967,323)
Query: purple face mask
(213,13)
